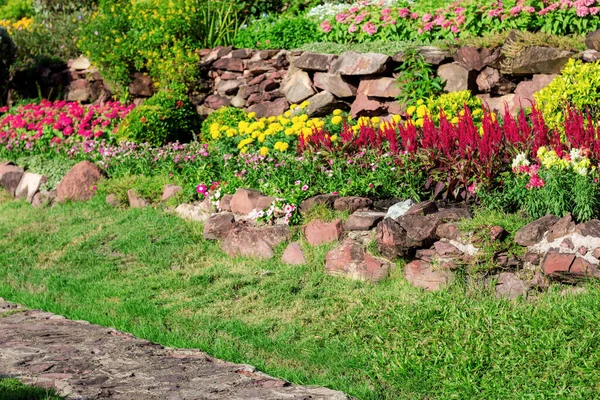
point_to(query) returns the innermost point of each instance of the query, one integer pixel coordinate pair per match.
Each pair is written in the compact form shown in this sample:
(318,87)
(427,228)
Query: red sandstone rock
(318,232)
(293,255)
(79,183)
(350,260)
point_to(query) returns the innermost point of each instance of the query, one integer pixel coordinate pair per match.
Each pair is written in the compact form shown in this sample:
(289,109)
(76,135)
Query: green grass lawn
(152,274)
(12,389)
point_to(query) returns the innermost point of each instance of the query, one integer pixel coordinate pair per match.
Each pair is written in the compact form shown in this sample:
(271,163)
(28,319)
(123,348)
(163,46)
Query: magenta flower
(305,188)
(202,189)
(369,28)
(352,28)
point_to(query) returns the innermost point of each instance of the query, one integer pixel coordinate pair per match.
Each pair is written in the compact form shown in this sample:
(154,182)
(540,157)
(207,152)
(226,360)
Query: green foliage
(564,192)
(53,7)
(14,10)
(287,32)
(417,79)
(12,389)
(158,36)
(54,169)
(389,48)
(48,40)
(167,116)
(452,104)
(146,187)
(578,86)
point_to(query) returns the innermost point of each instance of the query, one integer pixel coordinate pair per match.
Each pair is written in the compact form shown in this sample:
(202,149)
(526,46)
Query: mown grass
(152,274)
(12,389)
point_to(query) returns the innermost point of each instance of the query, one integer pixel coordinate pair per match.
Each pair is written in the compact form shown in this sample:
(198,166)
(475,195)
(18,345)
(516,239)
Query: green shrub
(167,116)
(14,10)
(48,41)
(578,86)
(417,79)
(157,36)
(287,32)
(48,7)
(146,187)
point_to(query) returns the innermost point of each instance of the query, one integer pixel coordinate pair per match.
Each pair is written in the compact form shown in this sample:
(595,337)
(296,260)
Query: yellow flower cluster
(25,24)
(575,160)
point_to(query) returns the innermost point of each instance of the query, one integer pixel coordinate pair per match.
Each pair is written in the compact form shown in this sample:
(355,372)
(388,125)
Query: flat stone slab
(84,361)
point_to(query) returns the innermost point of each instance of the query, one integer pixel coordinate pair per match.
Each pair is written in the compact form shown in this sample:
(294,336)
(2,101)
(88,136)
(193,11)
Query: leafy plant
(287,32)
(15,10)
(165,117)
(157,36)
(416,79)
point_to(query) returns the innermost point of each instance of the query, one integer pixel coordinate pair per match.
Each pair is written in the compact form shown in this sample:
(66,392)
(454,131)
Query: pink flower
(202,189)
(535,182)
(326,26)
(414,15)
(426,18)
(403,12)
(305,188)
(428,26)
(341,17)
(516,10)
(454,29)
(529,9)
(594,10)
(360,18)
(582,11)
(352,28)
(369,28)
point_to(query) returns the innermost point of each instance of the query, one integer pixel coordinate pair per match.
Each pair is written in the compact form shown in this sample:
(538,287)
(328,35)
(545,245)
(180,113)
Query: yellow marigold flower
(454,120)
(261,137)
(215,135)
(333,138)
(264,151)
(271,119)
(304,104)
(478,111)
(288,113)
(420,102)
(289,131)
(283,147)
(376,120)
(396,118)
(337,112)
(293,106)
(336,120)
(304,118)
(421,110)
(419,122)
(231,132)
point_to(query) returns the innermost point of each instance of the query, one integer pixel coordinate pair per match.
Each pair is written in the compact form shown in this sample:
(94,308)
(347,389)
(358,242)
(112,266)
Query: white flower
(576,156)
(520,160)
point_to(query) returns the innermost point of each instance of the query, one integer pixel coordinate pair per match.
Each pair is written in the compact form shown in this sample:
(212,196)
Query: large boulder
(79,183)
(10,177)
(524,93)
(363,220)
(218,226)
(352,203)
(352,63)
(455,77)
(367,106)
(293,255)
(314,61)
(249,241)
(540,60)
(141,86)
(326,200)
(297,87)
(322,104)
(592,40)
(351,260)
(379,87)
(335,84)
(270,108)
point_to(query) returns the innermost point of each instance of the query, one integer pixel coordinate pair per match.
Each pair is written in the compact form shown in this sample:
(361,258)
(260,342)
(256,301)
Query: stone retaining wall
(268,81)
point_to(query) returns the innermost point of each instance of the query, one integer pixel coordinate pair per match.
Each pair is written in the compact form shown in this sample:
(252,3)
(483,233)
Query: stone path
(85,361)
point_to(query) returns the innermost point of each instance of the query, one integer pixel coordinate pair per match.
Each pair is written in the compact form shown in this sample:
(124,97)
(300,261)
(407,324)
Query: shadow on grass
(12,389)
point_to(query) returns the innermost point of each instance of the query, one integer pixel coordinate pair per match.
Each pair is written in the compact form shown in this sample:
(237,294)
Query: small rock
(560,228)
(533,258)
(509,286)
(79,183)
(557,264)
(80,63)
(315,61)
(352,204)
(29,186)
(318,232)
(170,191)
(423,208)
(136,201)
(322,199)
(43,197)
(592,40)
(379,87)
(590,228)
(248,241)
(422,275)
(454,77)
(350,260)
(10,177)
(192,212)
(225,202)
(293,255)
(335,84)
(113,200)
(448,231)
(297,87)
(533,233)
(218,226)
(567,244)
(245,200)
(399,209)
(498,233)
(367,106)
(363,221)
